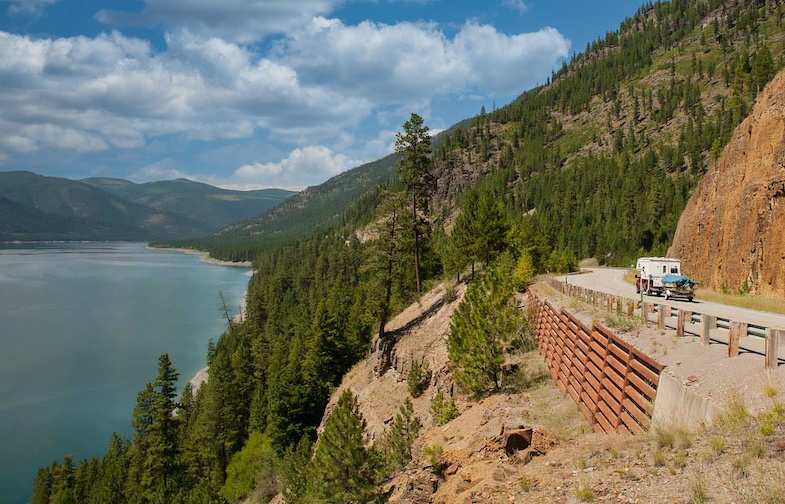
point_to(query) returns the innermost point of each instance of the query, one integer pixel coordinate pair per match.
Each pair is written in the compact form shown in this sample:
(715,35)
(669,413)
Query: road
(611,281)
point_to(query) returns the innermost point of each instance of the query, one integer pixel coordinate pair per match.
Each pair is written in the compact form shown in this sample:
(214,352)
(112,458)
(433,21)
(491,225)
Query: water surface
(81,329)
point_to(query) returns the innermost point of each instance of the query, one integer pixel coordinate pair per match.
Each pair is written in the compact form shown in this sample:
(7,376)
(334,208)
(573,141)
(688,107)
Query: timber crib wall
(613,383)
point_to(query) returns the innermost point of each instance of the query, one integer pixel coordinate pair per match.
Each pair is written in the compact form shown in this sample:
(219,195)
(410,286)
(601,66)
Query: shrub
(524,272)
(443,410)
(433,454)
(418,379)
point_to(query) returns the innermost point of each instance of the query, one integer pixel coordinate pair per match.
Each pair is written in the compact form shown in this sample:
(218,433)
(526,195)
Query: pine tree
(396,446)
(414,147)
(294,471)
(485,322)
(343,470)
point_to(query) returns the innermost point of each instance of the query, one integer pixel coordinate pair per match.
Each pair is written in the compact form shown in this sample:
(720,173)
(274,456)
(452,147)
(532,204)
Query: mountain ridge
(39,207)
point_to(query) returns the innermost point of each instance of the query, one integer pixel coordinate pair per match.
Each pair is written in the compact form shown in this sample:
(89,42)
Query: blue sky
(250,94)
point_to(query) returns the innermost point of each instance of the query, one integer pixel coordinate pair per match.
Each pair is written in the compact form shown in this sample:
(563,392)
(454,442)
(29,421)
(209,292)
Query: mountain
(349,196)
(36,207)
(86,213)
(214,208)
(731,235)
(24,223)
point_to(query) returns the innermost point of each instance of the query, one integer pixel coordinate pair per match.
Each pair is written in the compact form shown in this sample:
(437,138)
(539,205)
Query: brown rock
(451,470)
(732,233)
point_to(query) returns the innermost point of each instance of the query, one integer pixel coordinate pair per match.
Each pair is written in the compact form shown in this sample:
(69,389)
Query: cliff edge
(731,234)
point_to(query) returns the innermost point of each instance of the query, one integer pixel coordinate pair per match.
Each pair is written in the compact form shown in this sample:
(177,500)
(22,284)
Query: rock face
(732,232)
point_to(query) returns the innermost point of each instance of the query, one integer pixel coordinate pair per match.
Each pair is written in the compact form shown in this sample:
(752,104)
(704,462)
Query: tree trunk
(416,245)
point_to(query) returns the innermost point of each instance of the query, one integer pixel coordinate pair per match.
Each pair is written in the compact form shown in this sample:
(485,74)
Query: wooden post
(661,316)
(681,317)
(645,312)
(774,337)
(736,330)
(708,322)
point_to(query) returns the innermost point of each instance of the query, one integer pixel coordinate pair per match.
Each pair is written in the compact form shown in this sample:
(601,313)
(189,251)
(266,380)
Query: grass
(526,483)
(700,492)
(584,493)
(742,300)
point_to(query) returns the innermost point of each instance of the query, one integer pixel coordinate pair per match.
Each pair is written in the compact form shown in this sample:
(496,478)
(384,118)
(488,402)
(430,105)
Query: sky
(251,94)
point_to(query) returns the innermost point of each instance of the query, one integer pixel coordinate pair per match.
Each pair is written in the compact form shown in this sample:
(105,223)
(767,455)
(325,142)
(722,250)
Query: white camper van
(650,273)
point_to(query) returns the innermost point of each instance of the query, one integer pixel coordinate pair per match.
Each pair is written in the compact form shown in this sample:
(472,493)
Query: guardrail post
(736,330)
(774,337)
(681,316)
(645,312)
(661,316)
(708,322)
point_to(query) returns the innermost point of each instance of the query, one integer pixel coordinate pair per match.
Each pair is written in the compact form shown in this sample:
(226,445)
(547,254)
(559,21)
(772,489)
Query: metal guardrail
(771,338)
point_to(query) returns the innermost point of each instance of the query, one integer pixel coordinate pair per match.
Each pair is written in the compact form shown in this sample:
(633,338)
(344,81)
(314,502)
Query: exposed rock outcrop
(732,232)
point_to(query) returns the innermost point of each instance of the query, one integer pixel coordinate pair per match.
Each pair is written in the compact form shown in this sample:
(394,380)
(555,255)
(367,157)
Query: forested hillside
(599,162)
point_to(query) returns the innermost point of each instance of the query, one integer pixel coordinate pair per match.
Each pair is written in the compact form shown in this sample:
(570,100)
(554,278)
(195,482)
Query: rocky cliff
(732,232)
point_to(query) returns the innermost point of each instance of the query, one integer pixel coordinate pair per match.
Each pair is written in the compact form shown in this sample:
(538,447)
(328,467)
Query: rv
(651,270)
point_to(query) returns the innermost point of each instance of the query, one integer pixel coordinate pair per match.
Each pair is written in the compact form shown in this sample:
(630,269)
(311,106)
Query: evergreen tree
(484,324)
(386,257)
(396,445)
(414,147)
(294,470)
(343,470)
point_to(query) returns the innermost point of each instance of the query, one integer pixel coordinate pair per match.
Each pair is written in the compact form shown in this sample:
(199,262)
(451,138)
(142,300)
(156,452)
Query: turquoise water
(81,329)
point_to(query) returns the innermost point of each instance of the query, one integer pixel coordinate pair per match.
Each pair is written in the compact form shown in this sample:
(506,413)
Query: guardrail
(613,383)
(765,341)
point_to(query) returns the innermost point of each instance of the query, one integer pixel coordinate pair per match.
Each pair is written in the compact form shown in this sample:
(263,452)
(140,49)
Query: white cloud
(241,21)
(326,83)
(165,169)
(32,8)
(303,167)
(516,5)
(118,92)
(410,61)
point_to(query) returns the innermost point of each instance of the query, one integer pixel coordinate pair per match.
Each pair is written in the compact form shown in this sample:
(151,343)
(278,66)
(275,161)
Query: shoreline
(206,257)
(200,377)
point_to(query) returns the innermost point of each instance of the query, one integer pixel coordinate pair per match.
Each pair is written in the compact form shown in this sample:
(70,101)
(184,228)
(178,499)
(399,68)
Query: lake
(81,329)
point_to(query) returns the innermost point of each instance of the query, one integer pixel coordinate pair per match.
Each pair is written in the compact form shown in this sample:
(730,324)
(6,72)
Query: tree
(480,231)
(414,147)
(396,445)
(385,260)
(156,432)
(484,324)
(342,469)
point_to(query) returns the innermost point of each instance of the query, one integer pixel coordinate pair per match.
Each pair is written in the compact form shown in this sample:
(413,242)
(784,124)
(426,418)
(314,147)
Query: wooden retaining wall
(613,383)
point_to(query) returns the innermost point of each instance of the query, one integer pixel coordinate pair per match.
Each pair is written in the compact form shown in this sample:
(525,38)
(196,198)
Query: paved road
(611,281)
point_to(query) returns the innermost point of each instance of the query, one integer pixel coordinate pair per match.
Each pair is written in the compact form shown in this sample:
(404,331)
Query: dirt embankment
(536,447)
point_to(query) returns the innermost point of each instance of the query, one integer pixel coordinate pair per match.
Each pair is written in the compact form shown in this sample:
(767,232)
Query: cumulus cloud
(115,91)
(408,61)
(239,21)
(302,168)
(32,8)
(321,84)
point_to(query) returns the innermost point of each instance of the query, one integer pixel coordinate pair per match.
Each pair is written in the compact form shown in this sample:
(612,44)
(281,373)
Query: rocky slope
(732,232)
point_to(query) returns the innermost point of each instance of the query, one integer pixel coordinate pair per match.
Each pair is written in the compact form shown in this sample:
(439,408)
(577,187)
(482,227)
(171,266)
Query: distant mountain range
(36,208)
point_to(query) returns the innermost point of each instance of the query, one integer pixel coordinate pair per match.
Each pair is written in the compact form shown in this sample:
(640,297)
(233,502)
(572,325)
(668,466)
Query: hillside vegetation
(39,208)
(598,162)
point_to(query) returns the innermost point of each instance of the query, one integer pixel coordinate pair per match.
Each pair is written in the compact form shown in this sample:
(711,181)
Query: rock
(451,470)
(731,234)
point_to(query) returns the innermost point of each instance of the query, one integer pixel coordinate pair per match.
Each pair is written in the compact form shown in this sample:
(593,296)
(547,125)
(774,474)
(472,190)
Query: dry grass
(741,300)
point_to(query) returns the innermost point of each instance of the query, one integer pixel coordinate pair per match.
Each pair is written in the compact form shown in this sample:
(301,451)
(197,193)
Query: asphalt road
(611,281)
